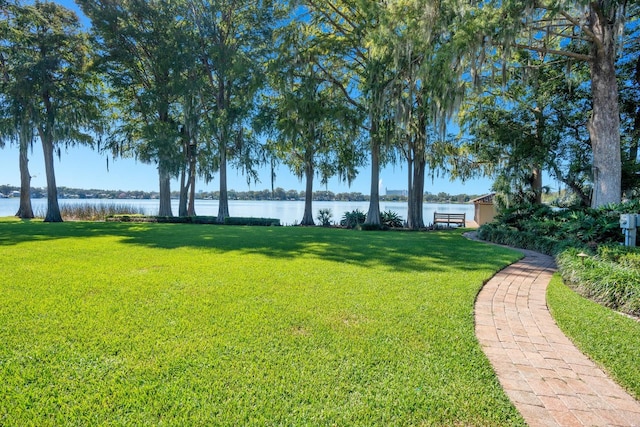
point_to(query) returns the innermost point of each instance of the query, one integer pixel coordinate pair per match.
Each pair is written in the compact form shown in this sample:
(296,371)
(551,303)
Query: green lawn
(609,338)
(147,324)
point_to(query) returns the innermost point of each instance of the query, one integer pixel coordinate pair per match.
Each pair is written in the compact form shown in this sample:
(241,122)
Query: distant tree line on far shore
(277,194)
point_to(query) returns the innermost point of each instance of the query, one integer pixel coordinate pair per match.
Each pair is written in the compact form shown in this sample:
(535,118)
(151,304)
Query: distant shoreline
(278,194)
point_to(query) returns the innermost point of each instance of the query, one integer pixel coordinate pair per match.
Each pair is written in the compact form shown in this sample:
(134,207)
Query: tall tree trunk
(410,163)
(604,124)
(417,150)
(273,176)
(25,211)
(415,220)
(373,215)
(163,171)
(307,217)
(536,184)
(536,172)
(53,209)
(223,204)
(409,173)
(165,191)
(633,149)
(46,137)
(191,208)
(184,188)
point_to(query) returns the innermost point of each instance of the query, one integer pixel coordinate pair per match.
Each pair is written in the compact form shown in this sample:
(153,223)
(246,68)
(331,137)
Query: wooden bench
(449,218)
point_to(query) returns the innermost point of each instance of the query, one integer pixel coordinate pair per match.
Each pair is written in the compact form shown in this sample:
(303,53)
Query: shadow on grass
(399,251)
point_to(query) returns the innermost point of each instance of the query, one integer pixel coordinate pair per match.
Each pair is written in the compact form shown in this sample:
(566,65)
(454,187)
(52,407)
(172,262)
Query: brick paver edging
(547,378)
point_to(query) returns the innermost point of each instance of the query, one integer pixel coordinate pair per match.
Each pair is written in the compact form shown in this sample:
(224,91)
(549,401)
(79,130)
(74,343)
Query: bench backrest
(448,215)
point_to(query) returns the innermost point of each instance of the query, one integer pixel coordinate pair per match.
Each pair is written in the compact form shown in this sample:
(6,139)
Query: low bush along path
(548,379)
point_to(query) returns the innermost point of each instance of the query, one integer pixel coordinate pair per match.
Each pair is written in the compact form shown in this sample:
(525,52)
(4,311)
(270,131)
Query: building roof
(487,198)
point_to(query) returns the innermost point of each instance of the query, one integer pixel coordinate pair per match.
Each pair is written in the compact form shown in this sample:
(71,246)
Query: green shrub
(172,219)
(607,282)
(324,216)
(625,256)
(372,227)
(505,235)
(164,219)
(551,231)
(252,221)
(195,220)
(128,218)
(353,219)
(203,219)
(391,219)
(586,226)
(592,226)
(524,213)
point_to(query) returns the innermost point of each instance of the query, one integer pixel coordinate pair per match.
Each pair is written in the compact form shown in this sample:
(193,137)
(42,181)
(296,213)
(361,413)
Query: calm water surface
(289,212)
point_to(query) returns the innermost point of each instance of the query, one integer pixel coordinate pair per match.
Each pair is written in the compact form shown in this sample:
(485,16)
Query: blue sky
(81,167)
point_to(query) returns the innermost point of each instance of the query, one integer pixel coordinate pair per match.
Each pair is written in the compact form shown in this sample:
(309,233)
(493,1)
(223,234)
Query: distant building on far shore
(396,192)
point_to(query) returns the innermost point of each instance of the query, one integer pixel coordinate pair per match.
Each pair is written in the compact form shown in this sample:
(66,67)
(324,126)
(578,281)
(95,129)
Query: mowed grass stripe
(105,323)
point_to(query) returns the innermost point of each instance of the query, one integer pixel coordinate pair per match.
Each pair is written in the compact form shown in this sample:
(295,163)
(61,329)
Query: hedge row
(251,221)
(609,283)
(510,236)
(195,220)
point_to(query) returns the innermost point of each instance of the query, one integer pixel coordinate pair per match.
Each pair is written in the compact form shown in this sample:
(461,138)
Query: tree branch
(339,85)
(580,56)
(333,21)
(558,34)
(584,28)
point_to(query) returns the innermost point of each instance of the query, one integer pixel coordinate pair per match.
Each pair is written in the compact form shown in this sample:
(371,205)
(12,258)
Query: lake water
(289,212)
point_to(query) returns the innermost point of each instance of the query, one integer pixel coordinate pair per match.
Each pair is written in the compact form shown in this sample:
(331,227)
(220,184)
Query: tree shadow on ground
(397,251)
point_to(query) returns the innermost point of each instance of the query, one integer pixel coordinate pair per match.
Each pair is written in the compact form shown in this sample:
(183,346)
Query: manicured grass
(175,324)
(610,339)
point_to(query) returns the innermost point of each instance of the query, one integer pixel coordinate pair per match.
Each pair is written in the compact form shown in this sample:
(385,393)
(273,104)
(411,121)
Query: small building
(485,210)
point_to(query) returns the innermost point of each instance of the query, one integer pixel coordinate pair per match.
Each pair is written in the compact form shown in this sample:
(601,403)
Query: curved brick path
(547,378)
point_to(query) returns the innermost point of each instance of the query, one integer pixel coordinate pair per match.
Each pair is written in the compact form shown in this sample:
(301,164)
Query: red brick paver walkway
(547,378)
